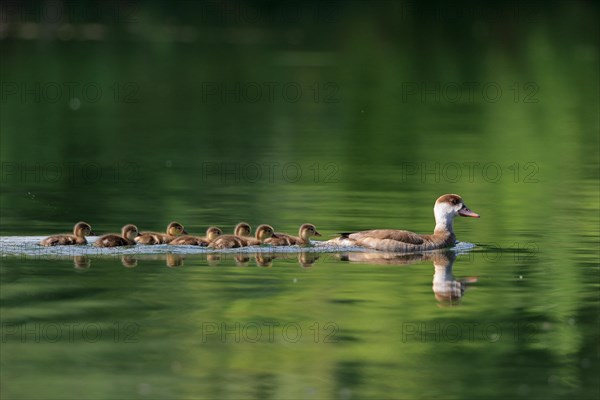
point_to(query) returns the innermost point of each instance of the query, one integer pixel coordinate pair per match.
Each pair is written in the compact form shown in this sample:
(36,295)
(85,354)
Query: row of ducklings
(177,235)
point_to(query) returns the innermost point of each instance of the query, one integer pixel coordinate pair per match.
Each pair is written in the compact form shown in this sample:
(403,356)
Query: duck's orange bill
(465,212)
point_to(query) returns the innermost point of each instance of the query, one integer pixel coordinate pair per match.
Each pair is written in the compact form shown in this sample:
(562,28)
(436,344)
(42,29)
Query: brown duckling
(211,234)
(304,233)
(128,234)
(80,231)
(174,229)
(242,229)
(232,241)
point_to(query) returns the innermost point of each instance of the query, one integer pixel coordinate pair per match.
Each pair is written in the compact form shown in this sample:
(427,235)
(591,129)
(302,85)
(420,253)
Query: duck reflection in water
(129,261)
(307,259)
(242,260)
(264,260)
(82,262)
(213,259)
(174,260)
(448,291)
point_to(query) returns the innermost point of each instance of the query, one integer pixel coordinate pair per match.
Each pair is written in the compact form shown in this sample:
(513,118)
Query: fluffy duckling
(242,229)
(232,241)
(80,231)
(304,233)
(211,234)
(128,234)
(174,229)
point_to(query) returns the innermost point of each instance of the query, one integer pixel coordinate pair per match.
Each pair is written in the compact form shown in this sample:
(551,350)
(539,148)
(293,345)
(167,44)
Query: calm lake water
(349,117)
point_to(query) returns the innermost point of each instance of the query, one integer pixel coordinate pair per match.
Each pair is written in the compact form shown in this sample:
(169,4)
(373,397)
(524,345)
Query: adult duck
(445,209)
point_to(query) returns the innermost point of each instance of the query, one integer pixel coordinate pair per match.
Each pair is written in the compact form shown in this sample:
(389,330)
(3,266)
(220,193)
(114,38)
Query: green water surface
(352,116)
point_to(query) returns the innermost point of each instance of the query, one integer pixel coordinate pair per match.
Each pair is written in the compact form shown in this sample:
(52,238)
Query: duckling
(174,229)
(304,233)
(211,234)
(80,231)
(231,241)
(128,234)
(242,229)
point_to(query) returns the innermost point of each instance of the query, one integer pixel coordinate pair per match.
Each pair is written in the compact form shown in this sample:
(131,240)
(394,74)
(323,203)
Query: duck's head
(242,229)
(308,230)
(175,229)
(449,206)
(264,232)
(82,229)
(130,232)
(213,232)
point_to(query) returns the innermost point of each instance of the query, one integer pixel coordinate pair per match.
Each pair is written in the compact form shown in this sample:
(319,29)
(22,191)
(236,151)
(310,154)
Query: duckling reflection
(307,259)
(129,261)
(174,260)
(242,260)
(447,290)
(213,259)
(264,260)
(82,262)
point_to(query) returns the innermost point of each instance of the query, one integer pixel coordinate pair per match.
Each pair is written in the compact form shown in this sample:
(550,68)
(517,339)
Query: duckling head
(213,232)
(242,229)
(82,229)
(308,230)
(449,206)
(130,231)
(264,232)
(175,229)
